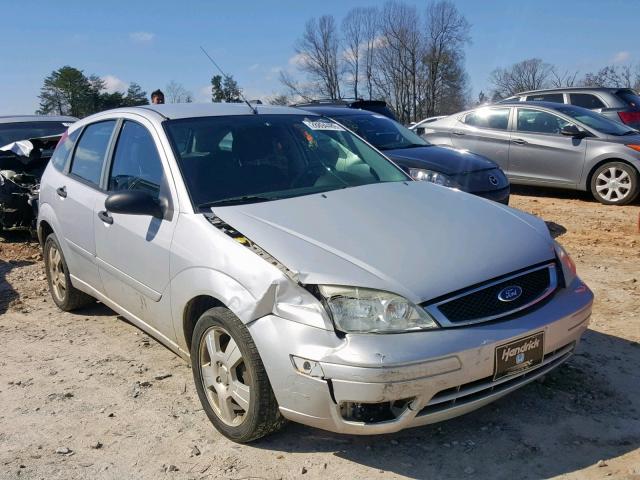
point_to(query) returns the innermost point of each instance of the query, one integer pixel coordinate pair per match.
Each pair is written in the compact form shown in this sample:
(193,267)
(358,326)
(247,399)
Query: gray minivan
(303,274)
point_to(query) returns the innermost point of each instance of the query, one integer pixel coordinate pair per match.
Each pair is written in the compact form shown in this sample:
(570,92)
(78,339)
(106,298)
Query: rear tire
(230,378)
(615,183)
(64,294)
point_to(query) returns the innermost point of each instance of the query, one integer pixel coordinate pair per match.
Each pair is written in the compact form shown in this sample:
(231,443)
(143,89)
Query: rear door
(75,197)
(133,251)
(485,131)
(540,153)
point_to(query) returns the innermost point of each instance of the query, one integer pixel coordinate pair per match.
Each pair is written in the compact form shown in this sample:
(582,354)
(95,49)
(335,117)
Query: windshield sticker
(322,125)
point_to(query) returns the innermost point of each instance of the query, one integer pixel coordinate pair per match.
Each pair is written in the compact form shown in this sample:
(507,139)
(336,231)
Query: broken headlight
(363,310)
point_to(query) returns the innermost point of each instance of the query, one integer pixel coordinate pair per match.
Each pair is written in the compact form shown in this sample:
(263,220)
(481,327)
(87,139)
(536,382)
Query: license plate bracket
(519,355)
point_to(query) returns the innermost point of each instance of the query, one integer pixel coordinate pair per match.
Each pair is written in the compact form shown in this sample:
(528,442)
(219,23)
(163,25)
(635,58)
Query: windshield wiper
(243,199)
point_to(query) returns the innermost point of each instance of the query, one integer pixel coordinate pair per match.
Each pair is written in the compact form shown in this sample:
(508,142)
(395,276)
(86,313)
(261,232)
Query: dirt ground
(87,395)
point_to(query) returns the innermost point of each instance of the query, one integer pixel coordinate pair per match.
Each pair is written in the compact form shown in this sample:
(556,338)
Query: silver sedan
(303,274)
(548,144)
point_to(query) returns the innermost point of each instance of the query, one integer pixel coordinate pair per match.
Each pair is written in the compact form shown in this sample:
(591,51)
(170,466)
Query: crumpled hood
(447,160)
(415,239)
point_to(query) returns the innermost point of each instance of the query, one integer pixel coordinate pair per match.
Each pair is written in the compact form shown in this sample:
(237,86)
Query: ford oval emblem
(509,294)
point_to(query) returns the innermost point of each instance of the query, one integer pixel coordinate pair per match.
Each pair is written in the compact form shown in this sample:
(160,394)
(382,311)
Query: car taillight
(629,117)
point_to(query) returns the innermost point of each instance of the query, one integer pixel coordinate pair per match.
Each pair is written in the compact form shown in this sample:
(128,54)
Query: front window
(538,121)
(596,121)
(251,158)
(382,132)
(12,132)
(546,97)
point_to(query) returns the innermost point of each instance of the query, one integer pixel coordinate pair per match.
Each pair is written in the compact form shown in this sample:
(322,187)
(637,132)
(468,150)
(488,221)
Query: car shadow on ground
(559,193)
(7,293)
(576,417)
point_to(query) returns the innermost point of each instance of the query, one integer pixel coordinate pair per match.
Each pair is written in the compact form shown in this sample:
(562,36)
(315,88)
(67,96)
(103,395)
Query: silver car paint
(362,236)
(550,150)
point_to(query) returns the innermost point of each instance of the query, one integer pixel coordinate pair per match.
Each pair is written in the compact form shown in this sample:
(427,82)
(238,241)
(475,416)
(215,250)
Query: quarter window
(546,97)
(136,163)
(586,100)
(537,121)
(496,118)
(92,148)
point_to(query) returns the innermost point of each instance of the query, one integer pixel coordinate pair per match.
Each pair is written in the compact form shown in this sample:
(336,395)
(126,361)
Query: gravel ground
(87,395)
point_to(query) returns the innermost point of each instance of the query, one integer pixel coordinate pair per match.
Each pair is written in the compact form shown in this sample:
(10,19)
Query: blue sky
(153,43)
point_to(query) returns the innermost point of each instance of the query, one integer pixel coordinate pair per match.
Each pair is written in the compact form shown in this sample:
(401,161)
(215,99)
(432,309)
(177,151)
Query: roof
(335,111)
(572,89)
(516,103)
(188,110)
(36,118)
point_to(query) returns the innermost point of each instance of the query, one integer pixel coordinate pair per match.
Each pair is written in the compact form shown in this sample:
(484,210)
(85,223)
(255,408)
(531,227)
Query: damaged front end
(22,164)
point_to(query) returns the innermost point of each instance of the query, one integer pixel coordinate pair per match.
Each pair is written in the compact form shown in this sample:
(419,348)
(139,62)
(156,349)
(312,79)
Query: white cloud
(114,84)
(621,57)
(142,37)
(298,59)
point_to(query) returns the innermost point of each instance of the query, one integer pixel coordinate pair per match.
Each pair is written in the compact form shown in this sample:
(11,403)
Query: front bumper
(501,196)
(427,376)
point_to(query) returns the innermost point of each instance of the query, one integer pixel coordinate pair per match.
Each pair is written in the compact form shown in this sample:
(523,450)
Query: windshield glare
(595,120)
(382,132)
(240,159)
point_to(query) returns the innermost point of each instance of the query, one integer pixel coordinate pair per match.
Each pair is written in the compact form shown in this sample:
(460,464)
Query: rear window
(497,118)
(546,97)
(629,97)
(12,132)
(586,100)
(65,145)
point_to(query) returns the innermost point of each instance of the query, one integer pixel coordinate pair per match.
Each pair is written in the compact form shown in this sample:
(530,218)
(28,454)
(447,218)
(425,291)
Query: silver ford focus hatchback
(304,275)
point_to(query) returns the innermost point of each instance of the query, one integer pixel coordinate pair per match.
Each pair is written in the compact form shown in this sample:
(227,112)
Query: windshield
(630,97)
(12,132)
(595,120)
(382,132)
(250,158)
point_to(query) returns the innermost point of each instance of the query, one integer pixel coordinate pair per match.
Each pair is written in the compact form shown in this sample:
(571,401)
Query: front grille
(480,389)
(484,303)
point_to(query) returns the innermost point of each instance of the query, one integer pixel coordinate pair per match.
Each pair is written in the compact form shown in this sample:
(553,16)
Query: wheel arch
(193,310)
(599,163)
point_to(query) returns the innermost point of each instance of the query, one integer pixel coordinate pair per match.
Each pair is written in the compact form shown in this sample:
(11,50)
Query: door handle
(458,132)
(519,141)
(105,217)
(62,192)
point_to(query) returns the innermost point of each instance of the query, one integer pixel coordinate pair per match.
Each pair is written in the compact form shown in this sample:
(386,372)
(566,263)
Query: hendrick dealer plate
(519,355)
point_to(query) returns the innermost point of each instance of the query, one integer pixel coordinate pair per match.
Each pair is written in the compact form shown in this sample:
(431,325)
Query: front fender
(612,156)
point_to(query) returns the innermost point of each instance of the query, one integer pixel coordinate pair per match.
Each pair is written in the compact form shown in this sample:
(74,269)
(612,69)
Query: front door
(539,153)
(133,251)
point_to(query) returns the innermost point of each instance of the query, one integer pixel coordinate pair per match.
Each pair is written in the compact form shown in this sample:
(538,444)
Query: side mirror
(573,131)
(134,202)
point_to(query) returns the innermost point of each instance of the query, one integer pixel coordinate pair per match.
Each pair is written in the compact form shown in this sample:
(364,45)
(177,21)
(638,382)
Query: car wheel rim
(57,274)
(613,184)
(225,377)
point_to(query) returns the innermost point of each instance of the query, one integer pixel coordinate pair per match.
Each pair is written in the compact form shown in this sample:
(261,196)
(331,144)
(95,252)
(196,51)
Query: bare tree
(530,74)
(176,93)
(355,33)
(279,99)
(295,88)
(566,79)
(318,55)
(370,32)
(447,32)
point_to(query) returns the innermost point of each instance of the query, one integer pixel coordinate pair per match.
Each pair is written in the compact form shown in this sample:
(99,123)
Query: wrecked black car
(26,145)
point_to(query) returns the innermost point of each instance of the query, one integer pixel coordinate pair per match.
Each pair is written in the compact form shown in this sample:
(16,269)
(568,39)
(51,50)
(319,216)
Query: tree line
(413,59)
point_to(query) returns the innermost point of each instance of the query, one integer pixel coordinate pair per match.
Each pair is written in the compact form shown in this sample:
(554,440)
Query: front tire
(64,294)
(615,183)
(230,378)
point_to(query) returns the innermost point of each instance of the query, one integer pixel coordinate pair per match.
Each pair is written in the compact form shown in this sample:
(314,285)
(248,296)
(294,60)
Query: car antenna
(253,109)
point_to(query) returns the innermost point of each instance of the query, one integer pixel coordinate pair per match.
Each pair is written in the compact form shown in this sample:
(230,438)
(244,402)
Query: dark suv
(376,106)
(619,104)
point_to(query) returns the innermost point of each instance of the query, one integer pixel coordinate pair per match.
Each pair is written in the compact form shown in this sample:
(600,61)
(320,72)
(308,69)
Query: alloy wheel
(57,273)
(225,377)
(613,184)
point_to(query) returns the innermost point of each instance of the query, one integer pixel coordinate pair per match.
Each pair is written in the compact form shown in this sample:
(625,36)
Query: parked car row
(303,274)
(550,144)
